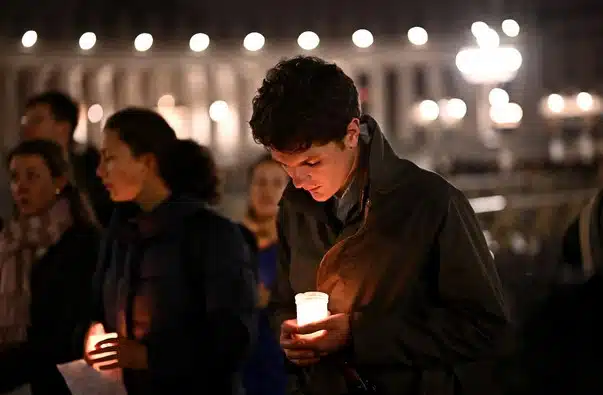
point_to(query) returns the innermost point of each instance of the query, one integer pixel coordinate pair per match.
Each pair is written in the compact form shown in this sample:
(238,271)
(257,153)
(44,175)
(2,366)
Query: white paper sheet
(82,379)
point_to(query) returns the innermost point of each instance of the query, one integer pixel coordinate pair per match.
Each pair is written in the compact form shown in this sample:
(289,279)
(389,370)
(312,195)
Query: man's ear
(352,135)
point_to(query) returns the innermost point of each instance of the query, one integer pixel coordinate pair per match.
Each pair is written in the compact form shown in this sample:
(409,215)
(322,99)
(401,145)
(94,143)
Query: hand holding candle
(315,333)
(107,351)
(305,345)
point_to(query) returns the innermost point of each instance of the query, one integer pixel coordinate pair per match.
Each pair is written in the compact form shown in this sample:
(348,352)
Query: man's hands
(305,345)
(119,352)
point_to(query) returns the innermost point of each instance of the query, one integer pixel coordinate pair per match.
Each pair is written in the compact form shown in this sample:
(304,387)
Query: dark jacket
(560,343)
(582,242)
(60,304)
(561,349)
(180,281)
(413,270)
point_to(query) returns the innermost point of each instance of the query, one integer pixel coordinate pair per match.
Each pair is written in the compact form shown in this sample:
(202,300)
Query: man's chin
(319,196)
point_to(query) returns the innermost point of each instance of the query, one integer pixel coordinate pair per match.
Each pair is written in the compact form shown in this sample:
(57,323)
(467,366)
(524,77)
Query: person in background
(582,246)
(265,374)
(54,116)
(561,344)
(175,279)
(415,299)
(48,254)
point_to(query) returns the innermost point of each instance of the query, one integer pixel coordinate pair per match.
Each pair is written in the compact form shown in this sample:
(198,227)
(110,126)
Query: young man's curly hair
(303,101)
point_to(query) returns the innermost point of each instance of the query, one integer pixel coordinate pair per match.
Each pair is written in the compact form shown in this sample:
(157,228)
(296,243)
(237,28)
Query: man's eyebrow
(313,158)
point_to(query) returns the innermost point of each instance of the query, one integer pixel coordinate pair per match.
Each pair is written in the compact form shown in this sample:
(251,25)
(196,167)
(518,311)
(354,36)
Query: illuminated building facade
(184,77)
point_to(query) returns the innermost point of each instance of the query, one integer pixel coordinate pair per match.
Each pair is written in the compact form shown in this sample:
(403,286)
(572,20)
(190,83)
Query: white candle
(311,307)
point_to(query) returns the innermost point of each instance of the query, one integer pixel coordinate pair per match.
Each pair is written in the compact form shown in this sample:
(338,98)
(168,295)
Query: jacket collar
(384,166)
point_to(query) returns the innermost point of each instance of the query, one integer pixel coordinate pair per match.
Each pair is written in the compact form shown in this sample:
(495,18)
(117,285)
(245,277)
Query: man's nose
(296,182)
(299,177)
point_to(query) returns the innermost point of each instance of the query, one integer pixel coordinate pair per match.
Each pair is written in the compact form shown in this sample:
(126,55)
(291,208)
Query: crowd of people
(128,239)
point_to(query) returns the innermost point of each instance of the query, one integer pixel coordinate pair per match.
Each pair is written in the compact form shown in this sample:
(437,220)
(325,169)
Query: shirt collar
(351,196)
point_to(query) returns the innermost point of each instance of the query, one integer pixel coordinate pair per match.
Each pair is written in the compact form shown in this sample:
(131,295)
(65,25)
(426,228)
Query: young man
(415,300)
(54,116)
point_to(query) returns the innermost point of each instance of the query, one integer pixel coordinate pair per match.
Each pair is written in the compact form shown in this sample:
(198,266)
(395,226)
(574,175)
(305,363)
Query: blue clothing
(265,372)
(267,265)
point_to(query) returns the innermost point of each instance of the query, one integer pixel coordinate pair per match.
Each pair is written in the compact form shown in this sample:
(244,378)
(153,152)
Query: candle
(311,307)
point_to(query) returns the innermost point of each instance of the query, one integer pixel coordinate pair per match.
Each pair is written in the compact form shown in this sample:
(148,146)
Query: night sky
(231,19)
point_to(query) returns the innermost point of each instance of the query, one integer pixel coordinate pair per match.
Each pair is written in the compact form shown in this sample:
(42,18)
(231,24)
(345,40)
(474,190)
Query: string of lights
(255,41)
